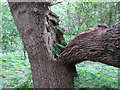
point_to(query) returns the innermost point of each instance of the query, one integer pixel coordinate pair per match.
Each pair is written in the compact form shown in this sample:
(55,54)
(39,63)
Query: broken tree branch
(103,46)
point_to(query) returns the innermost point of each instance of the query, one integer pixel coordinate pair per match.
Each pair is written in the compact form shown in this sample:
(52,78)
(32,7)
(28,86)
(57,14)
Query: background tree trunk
(30,21)
(110,14)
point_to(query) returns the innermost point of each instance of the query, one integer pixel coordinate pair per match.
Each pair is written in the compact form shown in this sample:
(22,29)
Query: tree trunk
(110,14)
(101,15)
(30,21)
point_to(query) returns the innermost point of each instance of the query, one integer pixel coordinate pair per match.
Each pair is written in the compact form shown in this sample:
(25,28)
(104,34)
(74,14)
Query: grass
(16,73)
(95,75)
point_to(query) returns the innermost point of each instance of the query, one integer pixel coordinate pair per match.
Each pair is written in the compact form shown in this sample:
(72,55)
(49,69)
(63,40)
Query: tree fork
(30,21)
(48,72)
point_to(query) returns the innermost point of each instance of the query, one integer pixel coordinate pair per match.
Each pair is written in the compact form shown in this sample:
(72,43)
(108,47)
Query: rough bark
(101,44)
(30,19)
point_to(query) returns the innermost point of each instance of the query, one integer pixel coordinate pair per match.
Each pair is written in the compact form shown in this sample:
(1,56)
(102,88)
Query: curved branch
(104,48)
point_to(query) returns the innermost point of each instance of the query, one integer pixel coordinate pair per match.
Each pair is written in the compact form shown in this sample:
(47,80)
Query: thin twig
(57,3)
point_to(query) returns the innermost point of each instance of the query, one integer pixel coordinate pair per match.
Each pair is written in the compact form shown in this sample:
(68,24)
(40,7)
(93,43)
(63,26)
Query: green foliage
(9,36)
(95,75)
(68,38)
(56,49)
(77,16)
(15,71)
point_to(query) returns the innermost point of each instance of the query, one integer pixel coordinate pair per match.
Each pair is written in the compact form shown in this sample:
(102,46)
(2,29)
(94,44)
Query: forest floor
(15,73)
